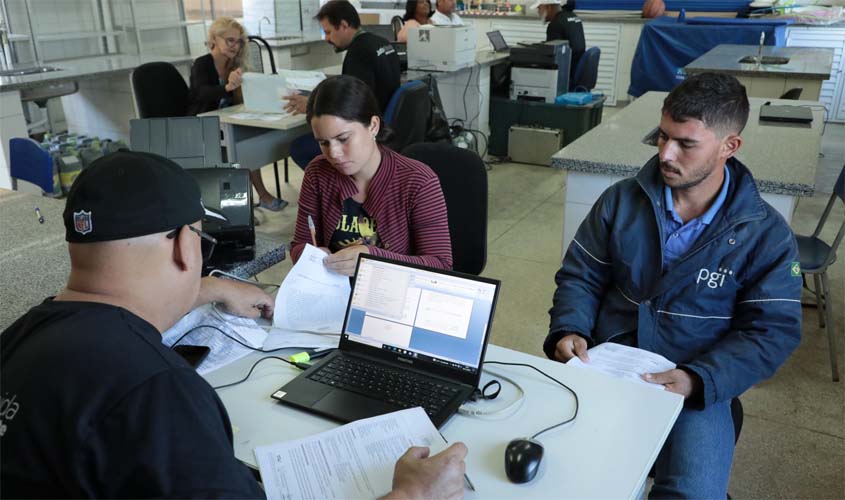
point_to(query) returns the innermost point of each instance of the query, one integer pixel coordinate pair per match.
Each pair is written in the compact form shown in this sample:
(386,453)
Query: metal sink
(35,70)
(766,60)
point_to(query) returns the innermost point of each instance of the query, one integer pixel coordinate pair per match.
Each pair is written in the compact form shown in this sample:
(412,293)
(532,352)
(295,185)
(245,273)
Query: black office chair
(815,257)
(408,114)
(159,90)
(587,71)
(397,24)
(793,94)
(256,64)
(463,179)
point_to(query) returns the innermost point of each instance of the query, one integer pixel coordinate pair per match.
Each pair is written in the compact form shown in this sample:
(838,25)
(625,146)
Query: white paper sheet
(224,350)
(625,362)
(312,298)
(352,461)
(280,338)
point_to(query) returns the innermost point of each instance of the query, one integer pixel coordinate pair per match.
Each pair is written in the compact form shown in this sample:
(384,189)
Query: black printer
(227,192)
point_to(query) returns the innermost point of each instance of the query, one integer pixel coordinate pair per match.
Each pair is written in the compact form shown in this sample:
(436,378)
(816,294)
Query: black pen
(466,478)
(320,354)
(40,217)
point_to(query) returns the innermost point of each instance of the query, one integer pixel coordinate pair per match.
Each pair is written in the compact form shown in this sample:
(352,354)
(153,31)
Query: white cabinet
(833,90)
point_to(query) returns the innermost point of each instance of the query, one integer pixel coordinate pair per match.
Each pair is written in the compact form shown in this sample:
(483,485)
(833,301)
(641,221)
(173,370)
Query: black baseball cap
(127,194)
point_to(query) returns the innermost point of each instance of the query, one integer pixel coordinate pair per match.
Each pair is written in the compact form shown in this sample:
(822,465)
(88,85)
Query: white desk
(606,453)
(255,143)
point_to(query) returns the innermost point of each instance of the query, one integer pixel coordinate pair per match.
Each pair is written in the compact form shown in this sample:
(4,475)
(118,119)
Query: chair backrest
(29,162)
(463,178)
(256,56)
(396,22)
(160,91)
(838,192)
(587,71)
(408,114)
(794,93)
(190,141)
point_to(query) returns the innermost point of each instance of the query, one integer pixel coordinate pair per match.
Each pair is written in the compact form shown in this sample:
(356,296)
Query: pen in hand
(313,230)
(40,217)
(466,478)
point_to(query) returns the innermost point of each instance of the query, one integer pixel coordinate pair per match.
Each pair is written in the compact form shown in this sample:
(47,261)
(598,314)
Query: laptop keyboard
(400,387)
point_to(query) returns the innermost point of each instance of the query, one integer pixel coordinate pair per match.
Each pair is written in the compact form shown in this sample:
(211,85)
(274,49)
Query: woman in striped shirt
(362,196)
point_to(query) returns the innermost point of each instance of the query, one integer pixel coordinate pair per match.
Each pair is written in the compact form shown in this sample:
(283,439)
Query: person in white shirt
(444,14)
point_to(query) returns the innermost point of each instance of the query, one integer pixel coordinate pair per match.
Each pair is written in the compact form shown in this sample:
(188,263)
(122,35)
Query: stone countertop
(34,262)
(782,157)
(804,62)
(84,68)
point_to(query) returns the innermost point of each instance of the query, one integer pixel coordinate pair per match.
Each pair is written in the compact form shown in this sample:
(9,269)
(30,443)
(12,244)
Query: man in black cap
(93,404)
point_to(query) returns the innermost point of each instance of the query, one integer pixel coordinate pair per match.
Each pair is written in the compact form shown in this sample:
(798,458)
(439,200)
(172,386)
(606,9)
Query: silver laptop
(412,336)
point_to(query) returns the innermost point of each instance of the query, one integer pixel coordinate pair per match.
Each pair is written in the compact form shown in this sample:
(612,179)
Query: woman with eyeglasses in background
(216,83)
(417,13)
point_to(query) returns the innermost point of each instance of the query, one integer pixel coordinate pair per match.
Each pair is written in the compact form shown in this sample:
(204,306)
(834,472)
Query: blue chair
(587,71)
(29,162)
(408,114)
(815,257)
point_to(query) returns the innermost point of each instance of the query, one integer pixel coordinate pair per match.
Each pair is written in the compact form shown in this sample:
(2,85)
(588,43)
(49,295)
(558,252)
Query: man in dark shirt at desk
(93,404)
(369,57)
(563,25)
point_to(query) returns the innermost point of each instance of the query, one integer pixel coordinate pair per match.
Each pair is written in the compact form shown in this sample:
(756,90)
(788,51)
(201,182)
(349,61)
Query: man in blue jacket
(686,260)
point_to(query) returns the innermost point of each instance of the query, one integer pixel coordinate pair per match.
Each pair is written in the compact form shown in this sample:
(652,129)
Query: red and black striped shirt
(404,197)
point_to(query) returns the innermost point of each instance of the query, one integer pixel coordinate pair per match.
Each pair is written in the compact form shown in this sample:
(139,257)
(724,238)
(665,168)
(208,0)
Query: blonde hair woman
(216,83)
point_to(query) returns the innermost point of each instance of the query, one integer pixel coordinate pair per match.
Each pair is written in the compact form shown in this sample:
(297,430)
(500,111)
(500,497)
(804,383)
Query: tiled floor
(793,437)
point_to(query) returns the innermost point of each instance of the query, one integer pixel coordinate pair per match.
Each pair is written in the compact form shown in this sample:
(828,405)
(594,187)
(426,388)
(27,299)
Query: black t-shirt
(567,26)
(93,405)
(372,59)
(355,227)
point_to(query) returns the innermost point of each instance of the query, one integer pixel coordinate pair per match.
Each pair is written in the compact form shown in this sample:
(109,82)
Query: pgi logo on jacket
(714,279)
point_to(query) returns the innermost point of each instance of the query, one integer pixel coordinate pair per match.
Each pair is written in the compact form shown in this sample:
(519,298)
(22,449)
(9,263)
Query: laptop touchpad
(349,406)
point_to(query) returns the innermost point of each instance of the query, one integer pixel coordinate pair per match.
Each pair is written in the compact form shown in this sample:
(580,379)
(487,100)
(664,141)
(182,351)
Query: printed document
(352,461)
(626,362)
(203,324)
(312,298)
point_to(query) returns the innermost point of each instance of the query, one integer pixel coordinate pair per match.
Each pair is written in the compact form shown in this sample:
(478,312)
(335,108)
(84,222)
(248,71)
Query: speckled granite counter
(782,158)
(84,69)
(34,263)
(804,62)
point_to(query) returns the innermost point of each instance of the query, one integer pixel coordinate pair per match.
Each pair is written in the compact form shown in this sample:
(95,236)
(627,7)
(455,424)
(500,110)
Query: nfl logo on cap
(82,222)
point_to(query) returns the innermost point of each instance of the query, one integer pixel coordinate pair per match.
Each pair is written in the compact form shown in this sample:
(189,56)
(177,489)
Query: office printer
(441,48)
(227,196)
(540,71)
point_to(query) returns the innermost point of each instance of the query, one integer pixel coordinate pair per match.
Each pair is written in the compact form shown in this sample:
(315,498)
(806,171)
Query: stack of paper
(353,461)
(312,298)
(207,324)
(625,362)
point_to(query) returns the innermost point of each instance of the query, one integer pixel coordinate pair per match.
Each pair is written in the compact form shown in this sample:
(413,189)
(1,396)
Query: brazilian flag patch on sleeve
(795,269)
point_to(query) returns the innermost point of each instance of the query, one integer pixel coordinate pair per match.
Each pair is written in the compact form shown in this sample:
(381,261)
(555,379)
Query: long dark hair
(349,98)
(411,9)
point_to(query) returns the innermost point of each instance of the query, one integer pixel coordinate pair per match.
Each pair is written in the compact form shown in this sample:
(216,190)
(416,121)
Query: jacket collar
(743,202)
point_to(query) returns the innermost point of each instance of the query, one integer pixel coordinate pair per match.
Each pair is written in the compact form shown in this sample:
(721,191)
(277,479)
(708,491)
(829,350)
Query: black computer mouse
(522,459)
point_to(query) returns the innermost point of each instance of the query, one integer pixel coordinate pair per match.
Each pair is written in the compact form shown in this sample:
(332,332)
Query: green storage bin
(575,121)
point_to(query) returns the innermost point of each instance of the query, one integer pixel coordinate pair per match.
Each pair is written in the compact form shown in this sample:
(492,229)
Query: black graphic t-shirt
(355,227)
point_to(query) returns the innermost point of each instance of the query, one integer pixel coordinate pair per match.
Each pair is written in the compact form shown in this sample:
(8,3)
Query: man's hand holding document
(626,362)
(357,461)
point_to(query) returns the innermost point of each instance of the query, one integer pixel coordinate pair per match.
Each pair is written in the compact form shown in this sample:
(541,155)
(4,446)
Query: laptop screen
(497,40)
(421,314)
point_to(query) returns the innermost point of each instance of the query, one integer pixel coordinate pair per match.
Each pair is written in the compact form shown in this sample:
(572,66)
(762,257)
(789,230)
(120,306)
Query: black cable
(466,87)
(541,372)
(253,368)
(230,337)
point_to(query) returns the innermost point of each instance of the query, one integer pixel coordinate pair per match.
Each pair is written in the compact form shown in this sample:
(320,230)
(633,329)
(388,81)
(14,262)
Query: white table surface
(605,453)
